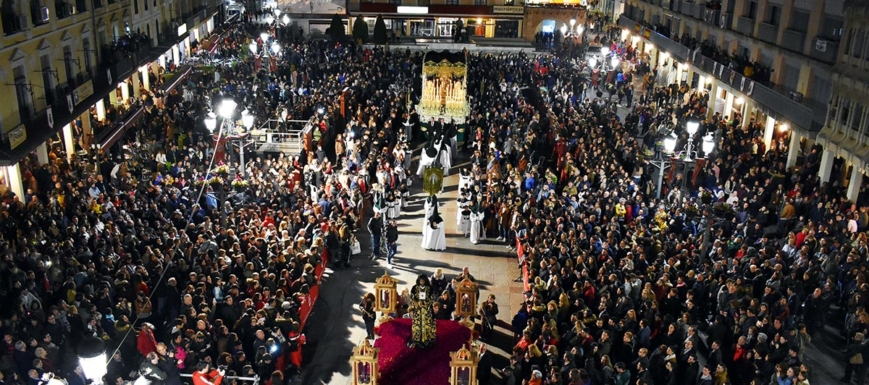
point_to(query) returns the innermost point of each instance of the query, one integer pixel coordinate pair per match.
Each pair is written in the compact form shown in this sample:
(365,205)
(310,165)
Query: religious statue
(423,329)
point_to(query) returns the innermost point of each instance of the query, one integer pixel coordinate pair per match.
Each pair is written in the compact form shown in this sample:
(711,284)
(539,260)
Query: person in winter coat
(150,372)
(145,341)
(169,364)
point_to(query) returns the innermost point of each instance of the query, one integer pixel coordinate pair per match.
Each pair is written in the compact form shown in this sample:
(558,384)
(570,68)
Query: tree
(380,31)
(336,28)
(360,30)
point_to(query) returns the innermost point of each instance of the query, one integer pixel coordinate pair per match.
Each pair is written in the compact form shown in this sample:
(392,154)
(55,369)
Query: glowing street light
(564,29)
(572,22)
(708,144)
(270,19)
(92,358)
(669,144)
(264,37)
(614,62)
(253,47)
(286,19)
(277,12)
(605,50)
(247,119)
(211,123)
(276,48)
(579,30)
(592,62)
(692,126)
(227,108)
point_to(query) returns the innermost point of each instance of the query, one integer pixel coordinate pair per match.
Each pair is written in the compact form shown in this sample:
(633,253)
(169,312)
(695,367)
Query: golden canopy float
(444,87)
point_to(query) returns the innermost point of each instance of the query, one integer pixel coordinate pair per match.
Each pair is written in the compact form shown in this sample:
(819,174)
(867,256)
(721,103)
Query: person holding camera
(205,375)
(169,364)
(489,313)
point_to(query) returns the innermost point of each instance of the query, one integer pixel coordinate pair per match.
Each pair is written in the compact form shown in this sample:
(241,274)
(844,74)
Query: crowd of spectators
(727,279)
(739,63)
(148,254)
(625,288)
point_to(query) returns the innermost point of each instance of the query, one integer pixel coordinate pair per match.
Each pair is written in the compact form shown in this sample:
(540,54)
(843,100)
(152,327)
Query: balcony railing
(63,9)
(793,40)
(745,25)
(824,50)
(806,113)
(12,22)
(767,32)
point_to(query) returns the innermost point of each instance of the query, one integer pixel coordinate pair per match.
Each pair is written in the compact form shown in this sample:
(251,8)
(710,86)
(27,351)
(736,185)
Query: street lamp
(247,119)
(579,30)
(614,62)
(227,108)
(572,22)
(270,19)
(605,51)
(592,62)
(691,126)
(286,19)
(276,48)
(211,122)
(92,358)
(564,30)
(669,144)
(264,37)
(253,47)
(708,145)
(277,12)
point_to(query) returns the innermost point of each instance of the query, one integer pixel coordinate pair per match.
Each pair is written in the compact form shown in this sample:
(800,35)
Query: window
(800,21)
(858,43)
(136,7)
(67,66)
(86,47)
(452,2)
(396,2)
(848,40)
(480,2)
(832,28)
(773,14)
(752,10)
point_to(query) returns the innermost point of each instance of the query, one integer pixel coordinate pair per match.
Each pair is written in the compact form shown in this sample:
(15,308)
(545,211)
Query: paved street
(336,324)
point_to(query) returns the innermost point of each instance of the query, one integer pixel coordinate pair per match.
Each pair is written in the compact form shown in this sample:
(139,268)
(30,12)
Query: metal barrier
(270,139)
(254,379)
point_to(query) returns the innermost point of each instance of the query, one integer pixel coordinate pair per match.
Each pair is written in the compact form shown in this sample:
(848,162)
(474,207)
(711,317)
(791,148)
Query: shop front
(444,21)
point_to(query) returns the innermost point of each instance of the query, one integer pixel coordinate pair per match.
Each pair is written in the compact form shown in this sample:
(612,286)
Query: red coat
(211,378)
(145,343)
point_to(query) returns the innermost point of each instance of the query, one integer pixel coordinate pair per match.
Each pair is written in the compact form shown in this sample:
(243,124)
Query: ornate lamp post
(364,364)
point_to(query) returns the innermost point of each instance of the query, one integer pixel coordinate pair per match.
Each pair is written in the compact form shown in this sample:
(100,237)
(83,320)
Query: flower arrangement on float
(221,169)
(239,183)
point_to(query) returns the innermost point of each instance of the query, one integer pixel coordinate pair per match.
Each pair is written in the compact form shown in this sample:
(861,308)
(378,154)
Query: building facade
(505,19)
(845,139)
(73,71)
(768,60)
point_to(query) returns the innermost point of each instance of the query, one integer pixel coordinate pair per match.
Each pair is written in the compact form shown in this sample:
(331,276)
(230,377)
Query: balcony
(38,13)
(745,25)
(825,50)
(767,32)
(63,10)
(807,114)
(12,22)
(675,5)
(687,8)
(793,40)
(712,16)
